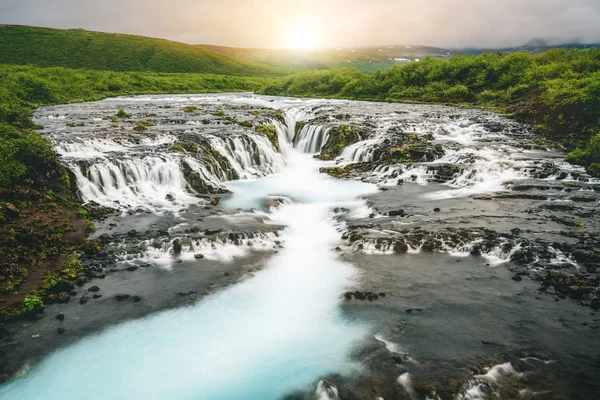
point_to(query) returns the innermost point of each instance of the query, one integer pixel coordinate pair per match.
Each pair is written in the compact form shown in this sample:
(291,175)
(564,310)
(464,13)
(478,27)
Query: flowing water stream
(438,282)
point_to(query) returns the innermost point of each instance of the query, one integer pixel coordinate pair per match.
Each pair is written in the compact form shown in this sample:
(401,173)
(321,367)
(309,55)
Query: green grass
(80,49)
(558,91)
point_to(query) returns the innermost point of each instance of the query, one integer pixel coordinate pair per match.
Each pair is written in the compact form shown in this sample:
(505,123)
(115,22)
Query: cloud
(265,23)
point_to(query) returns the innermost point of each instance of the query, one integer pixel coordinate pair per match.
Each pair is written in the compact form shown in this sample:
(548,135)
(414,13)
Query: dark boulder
(60,316)
(400,247)
(83,299)
(177,247)
(121,297)
(198,256)
(396,213)
(94,289)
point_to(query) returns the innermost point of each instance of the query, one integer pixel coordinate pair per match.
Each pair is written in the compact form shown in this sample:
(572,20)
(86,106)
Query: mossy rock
(270,132)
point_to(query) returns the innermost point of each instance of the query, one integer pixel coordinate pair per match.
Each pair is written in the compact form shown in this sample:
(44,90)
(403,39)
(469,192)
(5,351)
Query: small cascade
(362,151)
(150,182)
(311,138)
(248,156)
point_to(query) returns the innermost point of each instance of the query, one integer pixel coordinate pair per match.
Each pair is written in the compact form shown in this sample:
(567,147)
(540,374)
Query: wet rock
(121,297)
(60,316)
(83,299)
(63,297)
(210,232)
(517,278)
(428,246)
(348,295)
(137,299)
(215,201)
(360,295)
(177,247)
(131,268)
(398,358)
(81,280)
(170,197)
(96,296)
(372,296)
(132,233)
(94,289)
(437,209)
(198,256)
(400,247)
(61,330)
(397,213)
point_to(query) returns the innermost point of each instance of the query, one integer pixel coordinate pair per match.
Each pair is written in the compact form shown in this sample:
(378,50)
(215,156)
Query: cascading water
(133,175)
(311,138)
(262,338)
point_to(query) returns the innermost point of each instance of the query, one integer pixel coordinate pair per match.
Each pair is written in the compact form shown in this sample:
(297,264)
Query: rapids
(434,238)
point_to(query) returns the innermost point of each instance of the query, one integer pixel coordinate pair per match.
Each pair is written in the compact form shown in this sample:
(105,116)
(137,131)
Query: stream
(358,250)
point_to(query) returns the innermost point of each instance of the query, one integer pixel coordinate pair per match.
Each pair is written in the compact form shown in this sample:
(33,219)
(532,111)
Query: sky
(322,23)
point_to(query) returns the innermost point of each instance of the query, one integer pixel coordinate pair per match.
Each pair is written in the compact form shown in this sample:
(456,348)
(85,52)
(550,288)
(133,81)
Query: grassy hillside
(558,91)
(76,48)
(365,59)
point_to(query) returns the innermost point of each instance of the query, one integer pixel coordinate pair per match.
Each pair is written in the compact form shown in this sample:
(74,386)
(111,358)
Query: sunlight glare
(301,38)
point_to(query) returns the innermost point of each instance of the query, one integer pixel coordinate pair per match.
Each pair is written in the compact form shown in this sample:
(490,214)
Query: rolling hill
(365,59)
(81,49)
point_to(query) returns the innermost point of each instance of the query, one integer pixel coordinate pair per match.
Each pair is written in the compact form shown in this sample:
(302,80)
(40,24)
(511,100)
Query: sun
(301,37)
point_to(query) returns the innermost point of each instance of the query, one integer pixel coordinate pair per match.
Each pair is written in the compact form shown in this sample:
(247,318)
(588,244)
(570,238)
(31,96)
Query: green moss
(185,147)
(245,124)
(337,172)
(122,114)
(75,124)
(189,109)
(140,127)
(339,138)
(270,132)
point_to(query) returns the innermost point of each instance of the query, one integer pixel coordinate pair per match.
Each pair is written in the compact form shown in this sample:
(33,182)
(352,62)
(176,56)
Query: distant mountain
(77,48)
(367,59)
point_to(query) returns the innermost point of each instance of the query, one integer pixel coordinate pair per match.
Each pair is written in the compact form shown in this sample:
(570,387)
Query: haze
(331,23)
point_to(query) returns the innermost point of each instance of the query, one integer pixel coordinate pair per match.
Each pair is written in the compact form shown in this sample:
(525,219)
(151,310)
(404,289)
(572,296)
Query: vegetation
(557,91)
(270,132)
(77,48)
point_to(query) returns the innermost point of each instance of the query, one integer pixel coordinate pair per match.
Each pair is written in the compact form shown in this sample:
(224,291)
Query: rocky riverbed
(464,263)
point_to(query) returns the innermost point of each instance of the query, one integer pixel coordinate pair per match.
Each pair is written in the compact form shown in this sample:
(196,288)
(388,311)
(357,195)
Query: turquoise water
(273,333)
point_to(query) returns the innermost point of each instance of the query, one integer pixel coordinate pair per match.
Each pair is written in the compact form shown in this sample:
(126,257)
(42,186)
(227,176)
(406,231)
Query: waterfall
(311,138)
(152,182)
(248,156)
(360,151)
(126,174)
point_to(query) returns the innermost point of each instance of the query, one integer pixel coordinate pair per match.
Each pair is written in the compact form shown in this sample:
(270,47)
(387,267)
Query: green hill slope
(365,59)
(77,48)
